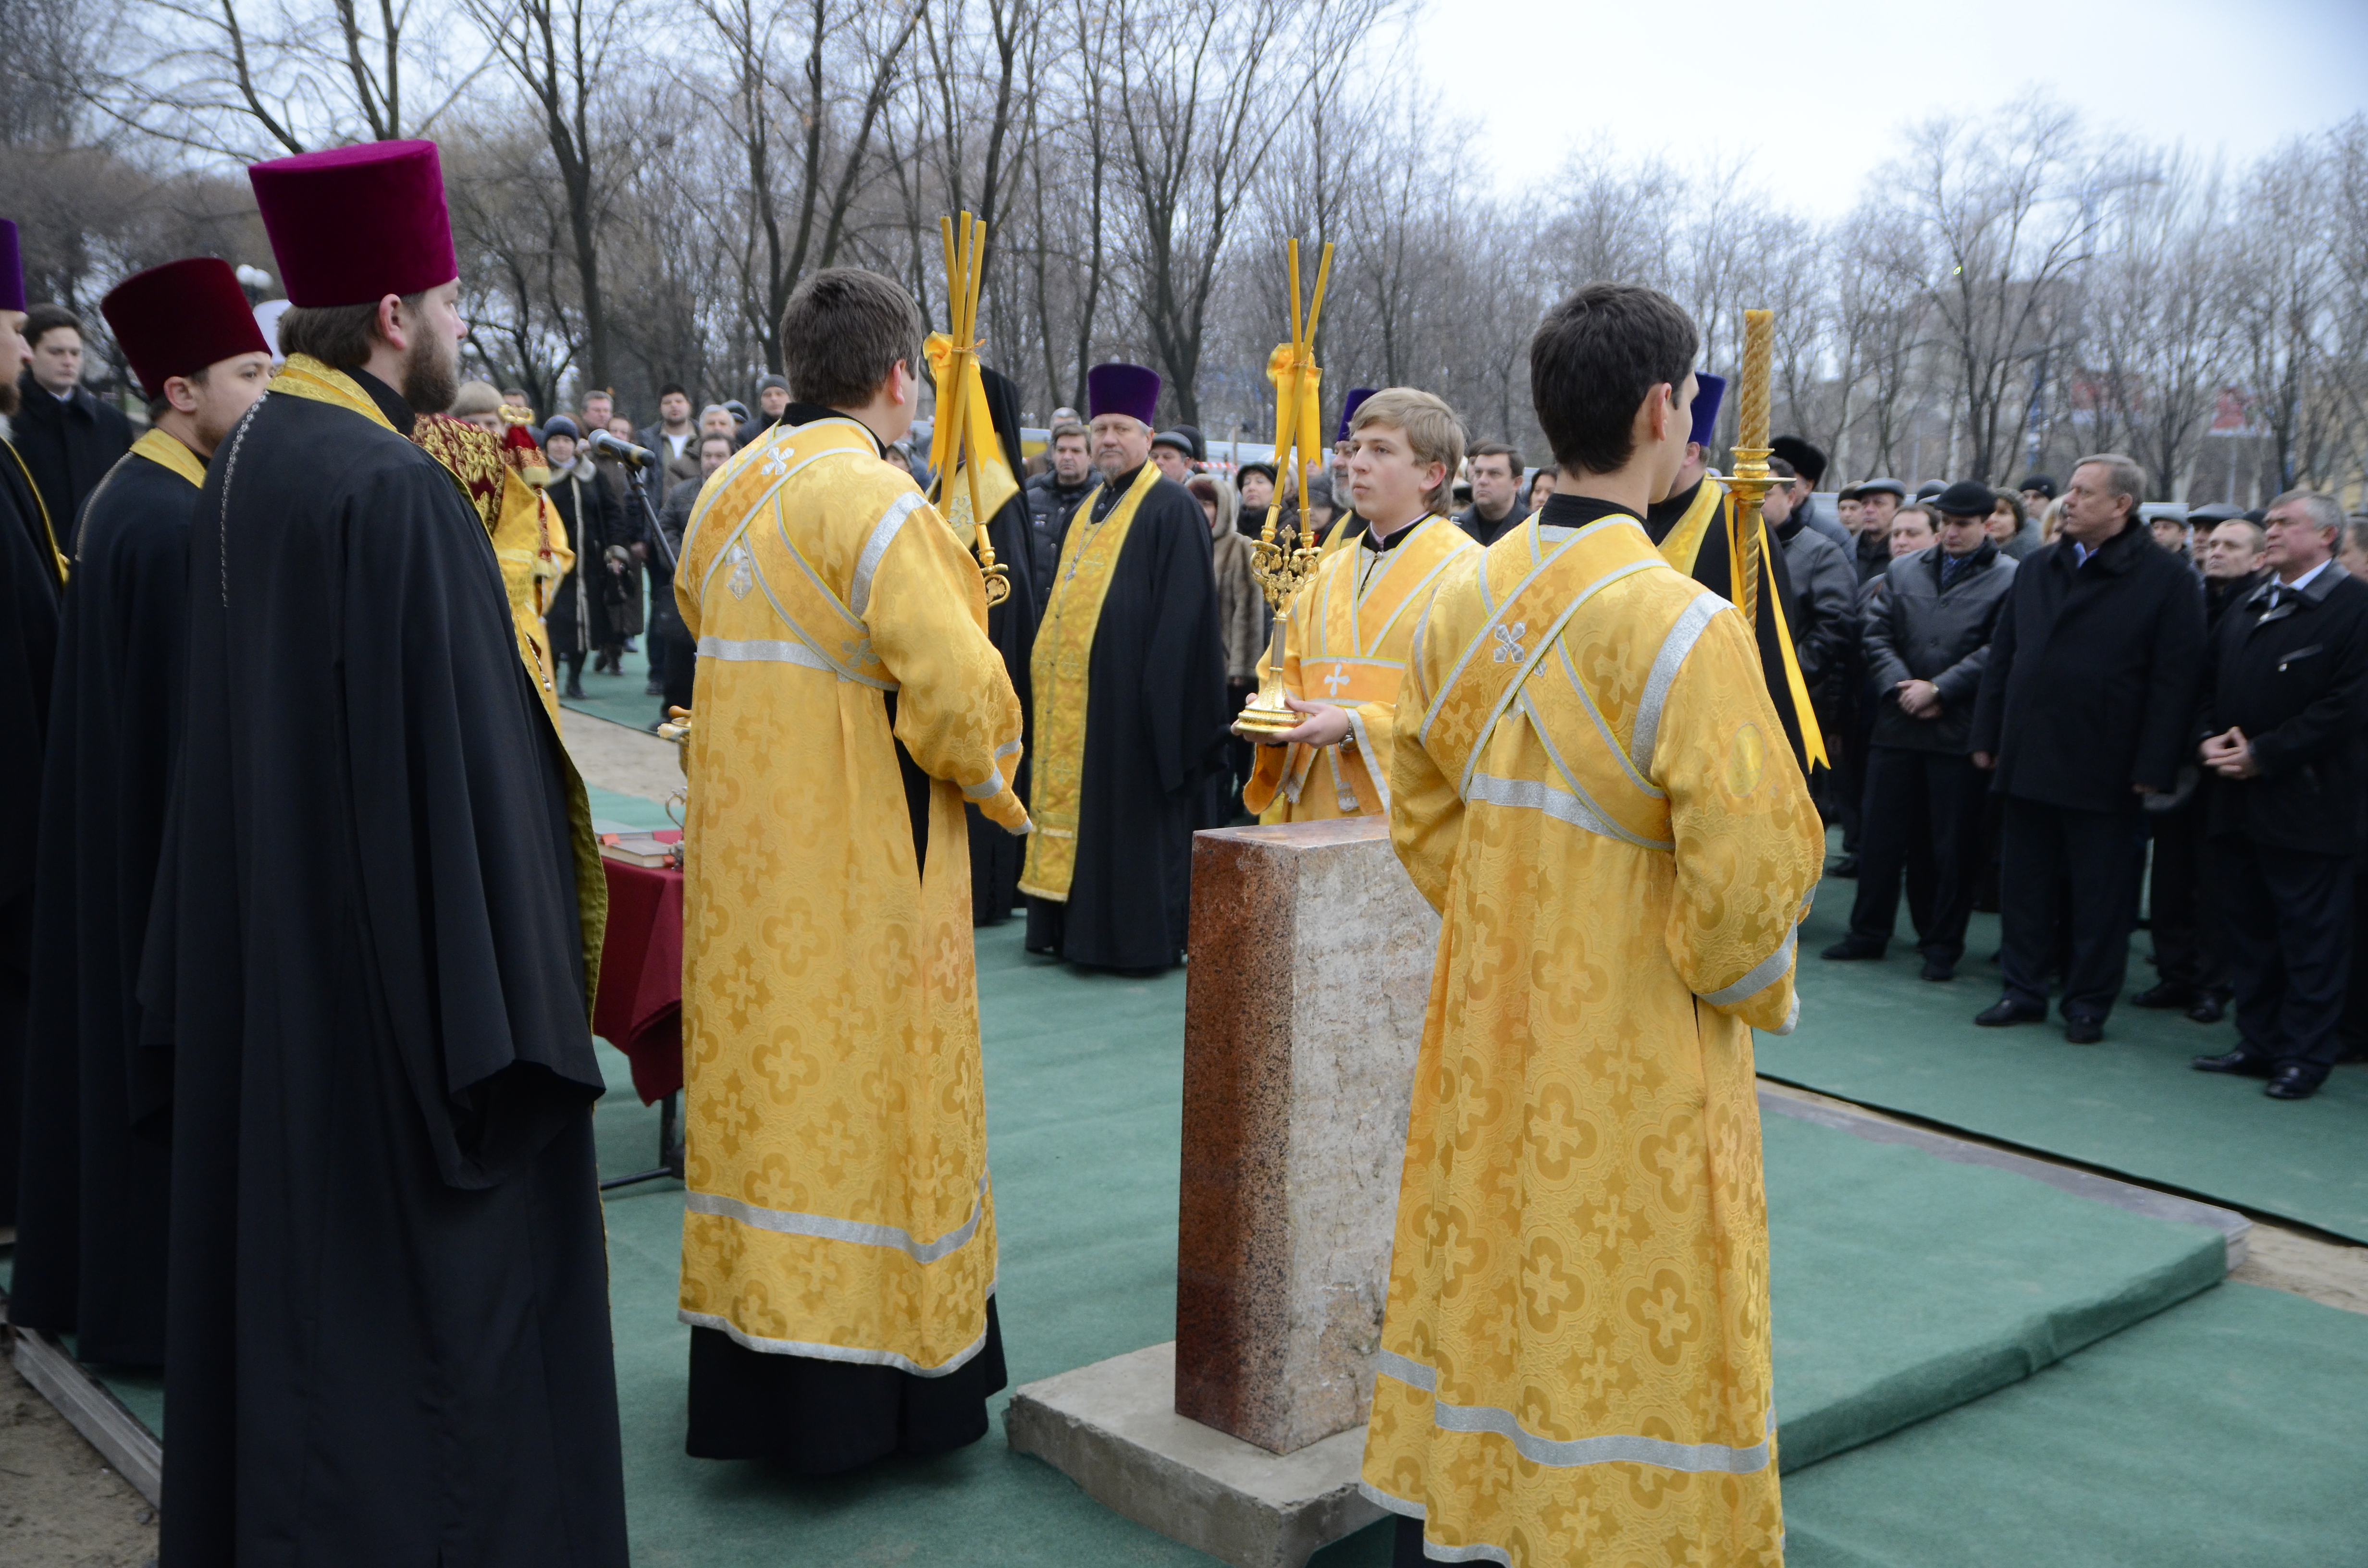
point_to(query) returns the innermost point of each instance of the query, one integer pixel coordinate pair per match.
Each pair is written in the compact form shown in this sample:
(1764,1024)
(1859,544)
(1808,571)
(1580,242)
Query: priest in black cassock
(93,1199)
(32,580)
(1130,702)
(373,948)
(995,855)
(1691,529)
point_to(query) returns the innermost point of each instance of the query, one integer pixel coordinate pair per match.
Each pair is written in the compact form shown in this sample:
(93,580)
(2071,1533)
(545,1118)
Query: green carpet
(1873,1033)
(1904,1284)
(2227,1433)
(620,699)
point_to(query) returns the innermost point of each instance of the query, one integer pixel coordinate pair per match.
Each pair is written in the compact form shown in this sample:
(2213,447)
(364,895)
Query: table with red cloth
(638,1006)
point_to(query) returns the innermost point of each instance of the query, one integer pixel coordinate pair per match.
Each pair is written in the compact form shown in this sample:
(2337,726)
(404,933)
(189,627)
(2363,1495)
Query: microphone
(624,451)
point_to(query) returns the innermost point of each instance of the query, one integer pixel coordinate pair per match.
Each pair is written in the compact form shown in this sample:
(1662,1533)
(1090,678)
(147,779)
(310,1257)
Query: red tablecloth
(639,1008)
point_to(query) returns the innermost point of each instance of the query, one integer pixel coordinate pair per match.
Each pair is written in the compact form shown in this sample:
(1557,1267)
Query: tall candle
(1758,355)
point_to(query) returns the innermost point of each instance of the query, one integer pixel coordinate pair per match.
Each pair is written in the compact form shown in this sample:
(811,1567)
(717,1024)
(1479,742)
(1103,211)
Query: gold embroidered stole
(1341,662)
(1683,547)
(800,599)
(49,530)
(169,454)
(1520,641)
(1061,669)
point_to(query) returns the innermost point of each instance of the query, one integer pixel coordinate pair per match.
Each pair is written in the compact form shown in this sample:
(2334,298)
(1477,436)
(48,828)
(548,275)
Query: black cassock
(995,855)
(1155,725)
(1713,571)
(30,591)
(389,1301)
(91,1214)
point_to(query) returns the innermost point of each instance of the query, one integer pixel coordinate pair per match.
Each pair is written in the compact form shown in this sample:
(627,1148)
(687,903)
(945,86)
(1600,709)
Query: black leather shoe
(1936,970)
(2240,1061)
(575,690)
(1845,867)
(2083,1031)
(2007,1010)
(2209,1007)
(2167,994)
(1850,948)
(2295,1081)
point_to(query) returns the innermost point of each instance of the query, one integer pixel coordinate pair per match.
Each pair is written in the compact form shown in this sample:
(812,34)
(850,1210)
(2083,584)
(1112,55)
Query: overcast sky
(1842,77)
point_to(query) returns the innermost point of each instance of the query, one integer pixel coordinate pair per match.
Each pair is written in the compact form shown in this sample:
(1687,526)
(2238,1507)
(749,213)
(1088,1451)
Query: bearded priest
(379,917)
(1351,624)
(91,1220)
(1575,1357)
(1129,673)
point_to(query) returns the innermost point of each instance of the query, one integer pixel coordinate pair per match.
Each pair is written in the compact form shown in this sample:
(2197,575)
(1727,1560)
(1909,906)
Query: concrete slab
(1112,1428)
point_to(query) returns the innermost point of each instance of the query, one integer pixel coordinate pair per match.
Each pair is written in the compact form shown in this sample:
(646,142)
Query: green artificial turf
(1904,1284)
(2226,1433)
(1873,1033)
(620,699)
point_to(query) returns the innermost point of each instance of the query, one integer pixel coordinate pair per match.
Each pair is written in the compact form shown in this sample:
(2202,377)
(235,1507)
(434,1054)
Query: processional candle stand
(1746,530)
(1280,566)
(961,400)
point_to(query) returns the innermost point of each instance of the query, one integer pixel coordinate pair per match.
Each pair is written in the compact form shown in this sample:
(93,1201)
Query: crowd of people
(300,977)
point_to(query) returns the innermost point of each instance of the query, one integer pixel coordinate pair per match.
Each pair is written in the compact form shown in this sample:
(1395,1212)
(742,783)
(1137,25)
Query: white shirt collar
(2299,584)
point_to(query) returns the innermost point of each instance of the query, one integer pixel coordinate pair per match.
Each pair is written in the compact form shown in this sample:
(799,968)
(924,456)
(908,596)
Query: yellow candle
(1759,356)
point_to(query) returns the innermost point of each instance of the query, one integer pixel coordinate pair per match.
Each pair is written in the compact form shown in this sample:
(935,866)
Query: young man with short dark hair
(1594,793)
(68,438)
(838,1263)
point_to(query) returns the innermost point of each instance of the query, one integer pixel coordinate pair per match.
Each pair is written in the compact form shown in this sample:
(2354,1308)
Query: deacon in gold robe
(1573,1364)
(839,1249)
(1345,643)
(1691,530)
(1128,674)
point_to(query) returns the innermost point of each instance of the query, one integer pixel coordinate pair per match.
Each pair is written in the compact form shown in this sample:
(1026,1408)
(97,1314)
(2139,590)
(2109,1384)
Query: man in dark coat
(32,580)
(1128,680)
(2285,726)
(2185,919)
(378,912)
(588,606)
(2084,711)
(1927,639)
(995,855)
(70,439)
(96,1188)
(666,628)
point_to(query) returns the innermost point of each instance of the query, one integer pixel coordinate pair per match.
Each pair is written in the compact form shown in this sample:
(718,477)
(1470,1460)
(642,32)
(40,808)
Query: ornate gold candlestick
(1751,482)
(1280,566)
(958,385)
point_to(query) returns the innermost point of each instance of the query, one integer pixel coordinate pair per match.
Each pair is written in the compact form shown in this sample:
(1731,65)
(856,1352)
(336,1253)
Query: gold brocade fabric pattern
(838,1204)
(1351,626)
(1062,669)
(529,538)
(1574,1361)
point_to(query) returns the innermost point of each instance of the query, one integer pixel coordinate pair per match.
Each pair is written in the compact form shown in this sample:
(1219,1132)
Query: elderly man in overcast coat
(2284,728)
(2084,711)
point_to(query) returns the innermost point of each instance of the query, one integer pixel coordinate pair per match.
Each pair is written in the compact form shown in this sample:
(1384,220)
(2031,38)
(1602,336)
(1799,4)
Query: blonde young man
(1592,788)
(838,1242)
(1353,622)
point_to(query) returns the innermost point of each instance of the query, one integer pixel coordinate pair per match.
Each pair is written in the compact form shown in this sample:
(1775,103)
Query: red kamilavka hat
(355,225)
(176,319)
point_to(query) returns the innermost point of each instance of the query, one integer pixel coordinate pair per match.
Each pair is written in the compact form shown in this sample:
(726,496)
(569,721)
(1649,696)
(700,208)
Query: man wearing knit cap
(1691,527)
(91,1218)
(32,578)
(1129,673)
(376,928)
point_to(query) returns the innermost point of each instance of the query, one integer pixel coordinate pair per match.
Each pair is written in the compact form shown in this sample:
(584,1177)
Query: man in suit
(2085,710)
(2284,728)
(69,439)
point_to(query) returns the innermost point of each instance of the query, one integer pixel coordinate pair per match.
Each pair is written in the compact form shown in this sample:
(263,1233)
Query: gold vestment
(1592,787)
(837,1205)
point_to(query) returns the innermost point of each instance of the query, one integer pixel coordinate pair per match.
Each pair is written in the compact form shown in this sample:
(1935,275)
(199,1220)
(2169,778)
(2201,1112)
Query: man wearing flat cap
(32,578)
(377,927)
(1129,671)
(91,1222)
